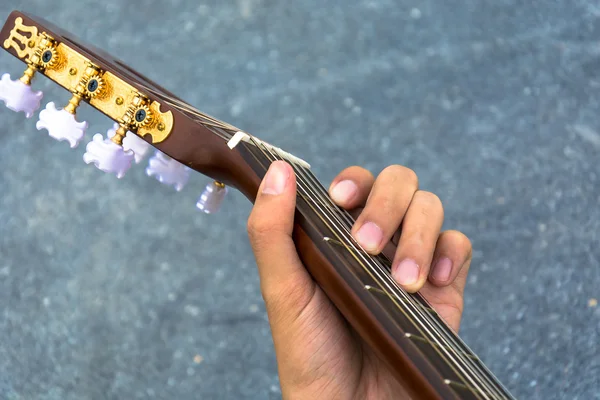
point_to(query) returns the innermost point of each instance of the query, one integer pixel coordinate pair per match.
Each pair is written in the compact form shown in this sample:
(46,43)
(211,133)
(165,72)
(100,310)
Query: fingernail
(441,271)
(344,191)
(406,273)
(276,179)
(369,236)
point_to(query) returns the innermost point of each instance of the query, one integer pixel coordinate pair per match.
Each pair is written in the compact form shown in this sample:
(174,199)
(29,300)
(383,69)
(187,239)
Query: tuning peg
(132,142)
(18,95)
(168,171)
(61,124)
(108,155)
(211,199)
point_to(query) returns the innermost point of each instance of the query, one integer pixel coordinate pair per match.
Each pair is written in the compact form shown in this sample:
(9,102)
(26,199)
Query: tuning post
(116,153)
(138,114)
(18,95)
(212,198)
(62,124)
(131,142)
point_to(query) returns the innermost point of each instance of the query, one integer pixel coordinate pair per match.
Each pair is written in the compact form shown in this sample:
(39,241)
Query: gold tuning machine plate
(102,89)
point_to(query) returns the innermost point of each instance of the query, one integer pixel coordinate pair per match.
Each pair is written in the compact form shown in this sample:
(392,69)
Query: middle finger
(388,201)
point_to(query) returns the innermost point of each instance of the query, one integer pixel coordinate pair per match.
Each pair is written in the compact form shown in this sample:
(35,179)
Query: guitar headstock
(145,114)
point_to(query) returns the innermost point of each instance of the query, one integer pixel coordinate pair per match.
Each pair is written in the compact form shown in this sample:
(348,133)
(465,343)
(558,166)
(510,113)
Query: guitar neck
(405,331)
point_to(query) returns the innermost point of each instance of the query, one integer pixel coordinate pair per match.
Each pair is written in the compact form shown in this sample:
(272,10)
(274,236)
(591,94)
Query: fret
(458,385)
(447,367)
(336,242)
(429,342)
(381,292)
(439,345)
(331,207)
(446,352)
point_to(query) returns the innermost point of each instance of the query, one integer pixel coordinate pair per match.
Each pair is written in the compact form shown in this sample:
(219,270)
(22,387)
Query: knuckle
(285,300)
(413,243)
(429,199)
(402,174)
(356,170)
(273,299)
(460,242)
(258,230)
(411,177)
(354,173)
(386,205)
(465,243)
(431,204)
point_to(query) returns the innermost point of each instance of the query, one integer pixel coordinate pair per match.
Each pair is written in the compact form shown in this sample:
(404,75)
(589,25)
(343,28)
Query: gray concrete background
(109,289)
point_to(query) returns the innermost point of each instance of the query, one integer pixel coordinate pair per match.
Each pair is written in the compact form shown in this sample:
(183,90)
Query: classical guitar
(428,358)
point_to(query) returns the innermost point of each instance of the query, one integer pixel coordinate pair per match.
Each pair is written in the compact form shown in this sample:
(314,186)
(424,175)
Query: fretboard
(414,320)
(408,318)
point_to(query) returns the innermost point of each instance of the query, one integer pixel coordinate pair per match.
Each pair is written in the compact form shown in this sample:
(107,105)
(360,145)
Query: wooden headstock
(139,106)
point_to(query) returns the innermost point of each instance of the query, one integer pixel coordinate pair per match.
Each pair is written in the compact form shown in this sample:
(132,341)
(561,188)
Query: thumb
(284,281)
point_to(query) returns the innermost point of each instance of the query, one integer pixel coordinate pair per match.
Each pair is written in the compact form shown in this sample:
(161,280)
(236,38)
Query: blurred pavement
(122,290)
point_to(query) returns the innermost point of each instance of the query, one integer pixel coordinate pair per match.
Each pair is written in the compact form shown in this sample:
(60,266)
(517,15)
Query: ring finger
(420,231)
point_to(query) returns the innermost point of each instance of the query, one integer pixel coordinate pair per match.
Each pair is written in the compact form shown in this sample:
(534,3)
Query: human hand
(318,354)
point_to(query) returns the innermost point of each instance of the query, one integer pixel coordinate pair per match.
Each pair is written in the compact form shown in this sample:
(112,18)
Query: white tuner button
(19,97)
(61,125)
(168,171)
(211,199)
(132,142)
(108,156)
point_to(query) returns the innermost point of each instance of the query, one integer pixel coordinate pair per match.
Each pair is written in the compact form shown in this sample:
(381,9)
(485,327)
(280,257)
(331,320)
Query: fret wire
(214,125)
(350,223)
(490,383)
(482,369)
(480,392)
(369,272)
(476,393)
(424,317)
(405,295)
(334,209)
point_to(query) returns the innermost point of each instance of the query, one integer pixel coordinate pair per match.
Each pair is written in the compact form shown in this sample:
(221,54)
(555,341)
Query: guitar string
(183,106)
(418,311)
(219,124)
(441,325)
(457,341)
(445,329)
(403,311)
